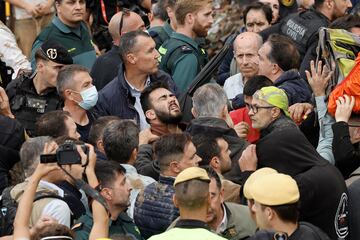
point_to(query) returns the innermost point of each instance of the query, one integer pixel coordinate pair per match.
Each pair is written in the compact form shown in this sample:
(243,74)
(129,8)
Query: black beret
(55,52)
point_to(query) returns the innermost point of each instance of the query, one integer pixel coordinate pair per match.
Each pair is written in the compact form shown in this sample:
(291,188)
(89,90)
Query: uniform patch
(77,226)
(341,217)
(51,53)
(186,49)
(287,3)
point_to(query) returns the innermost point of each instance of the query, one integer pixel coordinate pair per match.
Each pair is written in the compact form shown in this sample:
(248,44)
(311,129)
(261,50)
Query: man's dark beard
(166,118)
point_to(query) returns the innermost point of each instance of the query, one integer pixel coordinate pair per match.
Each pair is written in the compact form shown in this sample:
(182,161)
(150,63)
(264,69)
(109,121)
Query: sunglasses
(125,12)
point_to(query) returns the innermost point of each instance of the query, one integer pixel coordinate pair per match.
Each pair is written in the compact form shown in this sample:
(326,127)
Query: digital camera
(66,154)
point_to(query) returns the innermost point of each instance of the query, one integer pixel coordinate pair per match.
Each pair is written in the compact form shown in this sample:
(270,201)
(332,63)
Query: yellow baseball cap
(275,189)
(255,175)
(190,174)
(274,96)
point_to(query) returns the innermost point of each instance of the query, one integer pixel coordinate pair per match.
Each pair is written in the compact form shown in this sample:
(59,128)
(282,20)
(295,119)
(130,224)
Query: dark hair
(53,230)
(128,42)
(61,140)
(65,76)
(107,171)
(265,8)
(212,174)
(97,128)
(347,22)
(52,124)
(286,212)
(145,95)
(169,148)
(256,83)
(40,55)
(283,52)
(167,3)
(206,148)
(120,139)
(192,194)
(159,11)
(318,3)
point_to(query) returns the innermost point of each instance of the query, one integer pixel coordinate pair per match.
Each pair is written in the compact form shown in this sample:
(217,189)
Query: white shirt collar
(222,227)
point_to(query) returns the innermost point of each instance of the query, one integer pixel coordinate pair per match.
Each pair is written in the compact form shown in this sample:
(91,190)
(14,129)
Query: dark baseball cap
(55,52)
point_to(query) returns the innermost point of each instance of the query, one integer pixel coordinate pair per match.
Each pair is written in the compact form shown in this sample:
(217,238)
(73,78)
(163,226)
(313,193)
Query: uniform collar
(190,223)
(167,28)
(64,28)
(186,39)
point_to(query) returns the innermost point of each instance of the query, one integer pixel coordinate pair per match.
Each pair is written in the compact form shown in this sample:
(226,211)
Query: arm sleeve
(324,147)
(59,210)
(10,52)
(347,158)
(185,71)
(144,158)
(309,55)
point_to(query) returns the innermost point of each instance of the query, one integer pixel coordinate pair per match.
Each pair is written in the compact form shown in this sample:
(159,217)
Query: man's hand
(146,137)
(43,222)
(248,160)
(33,10)
(4,104)
(344,106)
(242,129)
(299,111)
(44,8)
(318,78)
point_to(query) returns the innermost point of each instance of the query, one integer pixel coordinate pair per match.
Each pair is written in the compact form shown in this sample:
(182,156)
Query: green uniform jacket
(182,58)
(161,33)
(76,40)
(239,222)
(123,225)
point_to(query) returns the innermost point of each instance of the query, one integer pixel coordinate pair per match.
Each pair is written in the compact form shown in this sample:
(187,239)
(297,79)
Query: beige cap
(275,189)
(190,174)
(255,175)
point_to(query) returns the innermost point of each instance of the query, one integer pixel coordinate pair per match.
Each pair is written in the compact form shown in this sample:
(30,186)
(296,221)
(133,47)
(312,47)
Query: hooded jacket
(296,89)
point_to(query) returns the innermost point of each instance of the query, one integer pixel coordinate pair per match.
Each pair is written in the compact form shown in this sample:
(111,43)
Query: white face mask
(90,97)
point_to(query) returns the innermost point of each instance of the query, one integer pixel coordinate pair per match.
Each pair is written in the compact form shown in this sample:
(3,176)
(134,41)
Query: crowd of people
(95,141)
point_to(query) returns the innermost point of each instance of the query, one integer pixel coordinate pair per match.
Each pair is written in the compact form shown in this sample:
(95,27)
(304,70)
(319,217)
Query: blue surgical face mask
(90,97)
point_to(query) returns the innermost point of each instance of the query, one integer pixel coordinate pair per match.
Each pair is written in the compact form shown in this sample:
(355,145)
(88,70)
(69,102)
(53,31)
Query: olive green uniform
(123,225)
(182,58)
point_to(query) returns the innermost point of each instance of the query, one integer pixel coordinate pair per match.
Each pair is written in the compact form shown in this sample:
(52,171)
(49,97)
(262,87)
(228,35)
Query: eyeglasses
(125,12)
(255,108)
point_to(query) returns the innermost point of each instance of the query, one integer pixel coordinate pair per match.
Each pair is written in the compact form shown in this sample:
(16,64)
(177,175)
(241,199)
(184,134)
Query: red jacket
(242,115)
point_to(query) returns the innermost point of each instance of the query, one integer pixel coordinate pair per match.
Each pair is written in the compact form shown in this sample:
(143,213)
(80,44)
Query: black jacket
(296,89)
(27,105)
(347,155)
(11,138)
(115,98)
(106,68)
(323,193)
